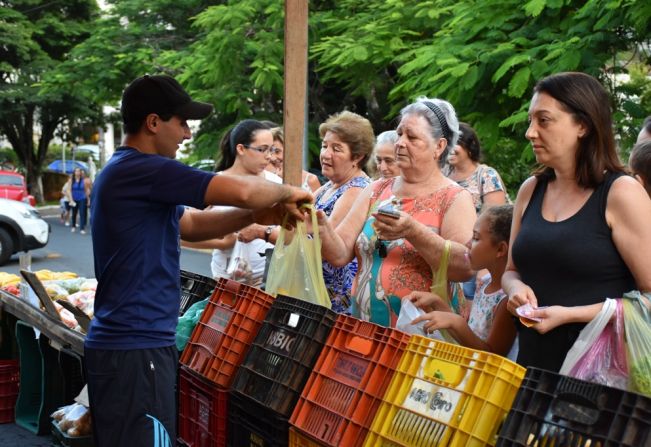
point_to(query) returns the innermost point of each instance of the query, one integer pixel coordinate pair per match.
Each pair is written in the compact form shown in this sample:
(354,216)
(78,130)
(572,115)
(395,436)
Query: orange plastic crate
(228,325)
(298,439)
(444,394)
(350,377)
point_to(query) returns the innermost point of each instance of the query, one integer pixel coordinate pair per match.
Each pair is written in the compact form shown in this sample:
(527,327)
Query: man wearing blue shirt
(138,214)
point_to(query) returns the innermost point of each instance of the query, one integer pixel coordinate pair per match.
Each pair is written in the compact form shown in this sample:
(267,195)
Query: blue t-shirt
(135,209)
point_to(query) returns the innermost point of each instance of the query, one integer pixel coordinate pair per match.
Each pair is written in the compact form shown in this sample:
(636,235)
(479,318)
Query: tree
(35,36)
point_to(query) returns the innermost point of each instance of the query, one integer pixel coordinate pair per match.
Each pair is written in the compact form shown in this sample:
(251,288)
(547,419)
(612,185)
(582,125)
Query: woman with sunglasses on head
(245,151)
(397,254)
(346,143)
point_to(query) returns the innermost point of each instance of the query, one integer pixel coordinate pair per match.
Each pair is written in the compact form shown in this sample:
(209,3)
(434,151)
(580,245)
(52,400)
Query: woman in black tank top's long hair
(580,225)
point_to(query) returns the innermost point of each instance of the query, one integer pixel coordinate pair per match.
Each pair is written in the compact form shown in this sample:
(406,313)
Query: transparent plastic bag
(452,293)
(239,265)
(296,268)
(408,313)
(638,338)
(604,361)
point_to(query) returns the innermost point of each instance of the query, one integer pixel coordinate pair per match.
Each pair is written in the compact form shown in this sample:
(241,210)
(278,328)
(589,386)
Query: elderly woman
(346,143)
(396,255)
(580,225)
(483,182)
(383,160)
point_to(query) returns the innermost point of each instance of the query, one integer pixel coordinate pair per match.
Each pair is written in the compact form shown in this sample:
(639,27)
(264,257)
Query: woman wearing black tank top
(580,226)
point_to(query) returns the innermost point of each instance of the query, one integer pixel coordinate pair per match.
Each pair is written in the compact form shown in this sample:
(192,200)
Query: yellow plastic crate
(444,394)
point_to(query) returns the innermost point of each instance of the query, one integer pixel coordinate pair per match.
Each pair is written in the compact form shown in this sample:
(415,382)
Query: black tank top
(569,263)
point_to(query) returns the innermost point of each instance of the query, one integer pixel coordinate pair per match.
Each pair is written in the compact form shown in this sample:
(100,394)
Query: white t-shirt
(252,250)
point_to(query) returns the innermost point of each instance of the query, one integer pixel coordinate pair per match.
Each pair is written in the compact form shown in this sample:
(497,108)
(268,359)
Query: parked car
(13,186)
(21,229)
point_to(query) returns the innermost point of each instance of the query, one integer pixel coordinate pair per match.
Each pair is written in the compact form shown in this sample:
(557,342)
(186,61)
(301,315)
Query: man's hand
(292,203)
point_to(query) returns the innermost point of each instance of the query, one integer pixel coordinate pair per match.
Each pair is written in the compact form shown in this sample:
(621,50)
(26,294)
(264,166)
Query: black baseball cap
(160,94)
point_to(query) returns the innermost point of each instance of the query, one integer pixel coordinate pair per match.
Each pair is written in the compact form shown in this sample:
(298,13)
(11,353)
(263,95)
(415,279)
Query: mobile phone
(389,211)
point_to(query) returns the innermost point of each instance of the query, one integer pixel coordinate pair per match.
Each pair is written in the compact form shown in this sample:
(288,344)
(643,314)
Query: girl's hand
(428,301)
(437,320)
(520,295)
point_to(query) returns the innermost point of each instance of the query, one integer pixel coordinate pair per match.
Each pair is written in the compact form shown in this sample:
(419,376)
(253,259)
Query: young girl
(490,326)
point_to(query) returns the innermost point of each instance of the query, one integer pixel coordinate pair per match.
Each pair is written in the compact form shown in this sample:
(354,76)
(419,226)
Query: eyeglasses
(381,247)
(263,149)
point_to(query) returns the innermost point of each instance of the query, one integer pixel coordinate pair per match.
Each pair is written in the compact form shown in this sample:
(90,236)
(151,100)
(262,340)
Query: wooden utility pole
(295,88)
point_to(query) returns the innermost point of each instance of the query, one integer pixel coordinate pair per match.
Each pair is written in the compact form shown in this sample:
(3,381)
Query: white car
(21,228)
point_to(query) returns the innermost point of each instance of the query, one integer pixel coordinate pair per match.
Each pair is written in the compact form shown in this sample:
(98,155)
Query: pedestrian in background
(80,187)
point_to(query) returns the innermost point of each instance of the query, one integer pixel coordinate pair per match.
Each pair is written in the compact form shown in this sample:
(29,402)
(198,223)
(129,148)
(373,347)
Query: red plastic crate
(298,439)
(9,380)
(228,325)
(350,377)
(203,408)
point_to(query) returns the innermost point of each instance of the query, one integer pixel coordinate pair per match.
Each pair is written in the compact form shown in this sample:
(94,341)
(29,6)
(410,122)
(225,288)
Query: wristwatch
(267,233)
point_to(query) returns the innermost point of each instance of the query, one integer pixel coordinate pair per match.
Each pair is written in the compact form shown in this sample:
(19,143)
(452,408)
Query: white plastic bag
(588,336)
(239,265)
(408,313)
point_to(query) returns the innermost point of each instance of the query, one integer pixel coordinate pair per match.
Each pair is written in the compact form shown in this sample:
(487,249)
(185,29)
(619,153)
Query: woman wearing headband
(396,255)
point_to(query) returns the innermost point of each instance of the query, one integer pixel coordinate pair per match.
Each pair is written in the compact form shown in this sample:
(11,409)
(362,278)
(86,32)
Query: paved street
(73,252)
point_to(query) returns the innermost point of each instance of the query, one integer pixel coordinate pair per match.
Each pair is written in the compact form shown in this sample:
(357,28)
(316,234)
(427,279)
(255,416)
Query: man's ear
(151,122)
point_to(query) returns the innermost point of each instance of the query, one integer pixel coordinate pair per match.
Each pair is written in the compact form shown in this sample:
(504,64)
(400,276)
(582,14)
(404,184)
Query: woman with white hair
(383,160)
(397,254)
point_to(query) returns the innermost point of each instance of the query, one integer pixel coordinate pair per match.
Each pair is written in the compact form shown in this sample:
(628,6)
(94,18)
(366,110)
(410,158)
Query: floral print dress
(339,280)
(481,182)
(381,283)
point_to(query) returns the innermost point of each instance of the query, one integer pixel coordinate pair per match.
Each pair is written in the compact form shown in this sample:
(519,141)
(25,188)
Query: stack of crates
(273,375)
(218,344)
(194,288)
(347,384)
(555,410)
(444,394)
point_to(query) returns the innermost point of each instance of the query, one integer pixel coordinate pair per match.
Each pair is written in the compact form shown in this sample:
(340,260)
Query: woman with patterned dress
(483,182)
(347,142)
(397,255)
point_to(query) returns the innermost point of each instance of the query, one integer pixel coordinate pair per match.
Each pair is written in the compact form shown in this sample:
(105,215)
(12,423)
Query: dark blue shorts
(132,396)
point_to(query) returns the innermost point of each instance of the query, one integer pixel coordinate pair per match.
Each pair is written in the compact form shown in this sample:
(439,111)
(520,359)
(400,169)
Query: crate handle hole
(359,345)
(576,409)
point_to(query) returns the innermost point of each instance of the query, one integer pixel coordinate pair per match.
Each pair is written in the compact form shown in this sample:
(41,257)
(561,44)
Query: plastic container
(70,441)
(72,373)
(350,377)
(194,288)
(551,409)
(298,439)
(228,325)
(203,408)
(444,394)
(256,425)
(9,382)
(283,354)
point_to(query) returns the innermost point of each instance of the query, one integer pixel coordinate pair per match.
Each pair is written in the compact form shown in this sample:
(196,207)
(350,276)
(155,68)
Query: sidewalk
(14,436)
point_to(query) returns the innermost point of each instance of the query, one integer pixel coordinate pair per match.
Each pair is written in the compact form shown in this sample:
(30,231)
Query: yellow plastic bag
(451,293)
(295,269)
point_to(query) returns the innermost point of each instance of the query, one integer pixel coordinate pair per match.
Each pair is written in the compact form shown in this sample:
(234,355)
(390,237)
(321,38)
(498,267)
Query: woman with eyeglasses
(346,143)
(383,161)
(309,181)
(397,253)
(245,150)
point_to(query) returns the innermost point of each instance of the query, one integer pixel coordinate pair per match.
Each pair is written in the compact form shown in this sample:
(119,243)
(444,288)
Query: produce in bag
(239,266)
(296,269)
(599,354)
(73,420)
(638,338)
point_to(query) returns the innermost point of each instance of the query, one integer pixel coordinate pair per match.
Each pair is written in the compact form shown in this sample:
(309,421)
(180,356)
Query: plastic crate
(283,354)
(203,408)
(444,394)
(551,409)
(9,381)
(350,377)
(298,439)
(64,440)
(71,367)
(256,425)
(228,325)
(194,288)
